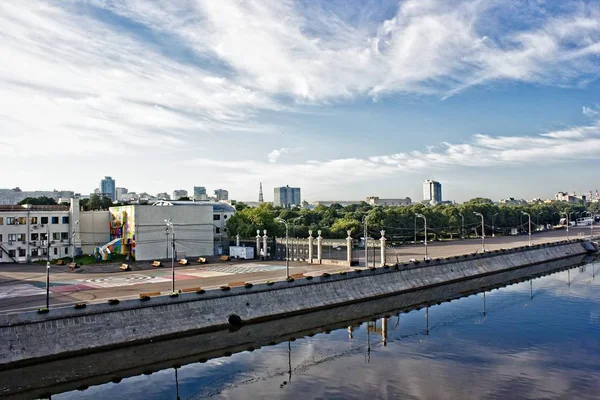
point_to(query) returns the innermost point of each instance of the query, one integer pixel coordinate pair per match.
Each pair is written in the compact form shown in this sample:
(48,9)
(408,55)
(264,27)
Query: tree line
(399,222)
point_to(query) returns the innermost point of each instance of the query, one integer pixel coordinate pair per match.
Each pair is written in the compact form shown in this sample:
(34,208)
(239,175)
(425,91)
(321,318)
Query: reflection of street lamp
(528,215)
(425,241)
(170,225)
(287,258)
(482,231)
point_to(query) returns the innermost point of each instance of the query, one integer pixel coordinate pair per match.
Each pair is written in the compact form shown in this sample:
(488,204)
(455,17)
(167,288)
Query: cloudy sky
(343,98)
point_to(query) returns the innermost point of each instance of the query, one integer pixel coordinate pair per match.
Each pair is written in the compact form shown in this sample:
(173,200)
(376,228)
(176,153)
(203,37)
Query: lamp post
(425,222)
(287,259)
(568,217)
(73,241)
(482,231)
(48,284)
(364,221)
(493,231)
(462,227)
(591,224)
(415,241)
(538,221)
(170,225)
(529,216)
(295,238)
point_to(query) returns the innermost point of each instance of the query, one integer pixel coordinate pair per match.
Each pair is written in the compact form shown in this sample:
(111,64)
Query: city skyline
(343,99)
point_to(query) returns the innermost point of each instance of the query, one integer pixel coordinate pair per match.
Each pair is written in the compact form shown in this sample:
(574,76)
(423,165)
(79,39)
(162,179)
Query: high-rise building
(179,193)
(200,193)
(260,194)
(221,194)
(286,196)
(432,192)
(107,187)
(119,192)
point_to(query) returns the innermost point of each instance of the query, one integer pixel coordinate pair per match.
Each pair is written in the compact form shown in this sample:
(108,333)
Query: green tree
(38,201)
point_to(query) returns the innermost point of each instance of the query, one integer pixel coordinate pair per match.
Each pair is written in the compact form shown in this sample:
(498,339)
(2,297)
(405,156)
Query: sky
(345,99)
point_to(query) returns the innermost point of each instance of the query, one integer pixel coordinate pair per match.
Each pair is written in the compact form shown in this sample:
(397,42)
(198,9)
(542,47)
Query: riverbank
(31,337)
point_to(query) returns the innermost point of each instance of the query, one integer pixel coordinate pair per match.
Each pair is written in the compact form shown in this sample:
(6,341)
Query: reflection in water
(526,343)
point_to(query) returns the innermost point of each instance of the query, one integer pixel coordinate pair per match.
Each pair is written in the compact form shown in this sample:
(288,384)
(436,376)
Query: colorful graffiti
(122,226)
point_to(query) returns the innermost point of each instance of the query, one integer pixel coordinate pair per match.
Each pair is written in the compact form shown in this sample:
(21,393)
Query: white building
(120,192)
(376,201)
(14,196)
(432,192)
(29,233)
(221,195)
(179,193)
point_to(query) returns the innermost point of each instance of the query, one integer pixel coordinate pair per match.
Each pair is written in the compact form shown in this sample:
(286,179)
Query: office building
(376,201)
(16,195)
(200,193)
(119,192)
(432,192)
(221,194)
(286,196)
(107,188)
(179,193)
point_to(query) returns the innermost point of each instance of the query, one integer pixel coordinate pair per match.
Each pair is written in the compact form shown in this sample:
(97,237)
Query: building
(107,188)
(119,192)
(564,196)
(221,194)
(163,196)
(200,193)
(143,234)
(432,192)
(260,194)
(16,195)
(514,202)
(286,196)
(179,193)
(376,201)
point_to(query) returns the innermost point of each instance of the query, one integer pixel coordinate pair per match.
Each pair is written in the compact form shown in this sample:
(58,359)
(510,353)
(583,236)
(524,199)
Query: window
(65,220)
(12,253)
(22,220)
(0,241)
(64,236)
(43,236)
(34,252)
(12,237)
(44,251)
(225,230)
(11,221)
(55,235)
(33,220)
(56,251)
(216,217)
(66,251)
(218,230)
(0,253)
(1,220)
(22,253)
(224,216)
(44,220)
(21,237)
(55,220)
(35,236)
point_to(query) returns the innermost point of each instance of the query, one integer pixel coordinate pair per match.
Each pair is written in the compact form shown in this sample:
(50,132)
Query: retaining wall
(30,337)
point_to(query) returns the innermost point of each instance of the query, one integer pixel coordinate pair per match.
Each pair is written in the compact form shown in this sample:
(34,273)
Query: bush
(372,268)
(270,283)
(113,302)
(225,288)
(308,277)
(290,279)
(43,310)
(358,271)
(248,285)
(174,294)
(325,275)
(79,306)
(386,266)
(144,298)
(342,272)
(417,262)
(201,291)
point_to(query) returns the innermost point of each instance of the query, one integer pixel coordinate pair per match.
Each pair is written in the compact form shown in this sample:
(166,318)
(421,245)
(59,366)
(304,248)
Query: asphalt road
(23,286)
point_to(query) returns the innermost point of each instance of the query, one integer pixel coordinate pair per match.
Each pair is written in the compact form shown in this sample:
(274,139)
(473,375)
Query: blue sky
(345,99)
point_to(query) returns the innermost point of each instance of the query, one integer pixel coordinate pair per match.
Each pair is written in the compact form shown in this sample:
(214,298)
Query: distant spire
(260,194)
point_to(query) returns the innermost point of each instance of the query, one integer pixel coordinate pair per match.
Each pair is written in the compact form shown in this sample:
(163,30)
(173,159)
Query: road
(23,286)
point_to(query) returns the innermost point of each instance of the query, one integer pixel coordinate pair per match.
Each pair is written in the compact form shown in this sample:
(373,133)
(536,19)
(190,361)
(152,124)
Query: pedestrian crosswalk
(19,290)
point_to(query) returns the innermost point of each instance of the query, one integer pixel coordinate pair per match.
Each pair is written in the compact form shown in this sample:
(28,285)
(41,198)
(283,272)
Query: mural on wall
(122,226)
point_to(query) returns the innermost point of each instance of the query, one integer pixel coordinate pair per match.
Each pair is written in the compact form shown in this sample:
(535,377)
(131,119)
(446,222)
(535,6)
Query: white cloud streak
(275,154)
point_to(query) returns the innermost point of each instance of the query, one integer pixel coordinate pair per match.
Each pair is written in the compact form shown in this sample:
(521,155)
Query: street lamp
(48,284)
(73,240)
(295,239)
(482,230)
(364,221)
(591,224)
(529,216)
(170,225)
(425,222)
(493,231)
(287,258)
(568,215)
(462,227)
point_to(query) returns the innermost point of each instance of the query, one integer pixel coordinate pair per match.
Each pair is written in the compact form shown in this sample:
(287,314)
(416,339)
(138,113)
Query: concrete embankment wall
(30,337)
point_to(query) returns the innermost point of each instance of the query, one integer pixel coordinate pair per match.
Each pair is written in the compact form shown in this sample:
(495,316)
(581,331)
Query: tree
(38,201)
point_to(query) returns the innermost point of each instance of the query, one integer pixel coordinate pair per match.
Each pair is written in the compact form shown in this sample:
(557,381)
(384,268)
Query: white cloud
(590,112)
(275,154)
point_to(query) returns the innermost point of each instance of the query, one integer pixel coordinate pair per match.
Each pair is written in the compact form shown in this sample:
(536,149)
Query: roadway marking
(20,290)
(110,281)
